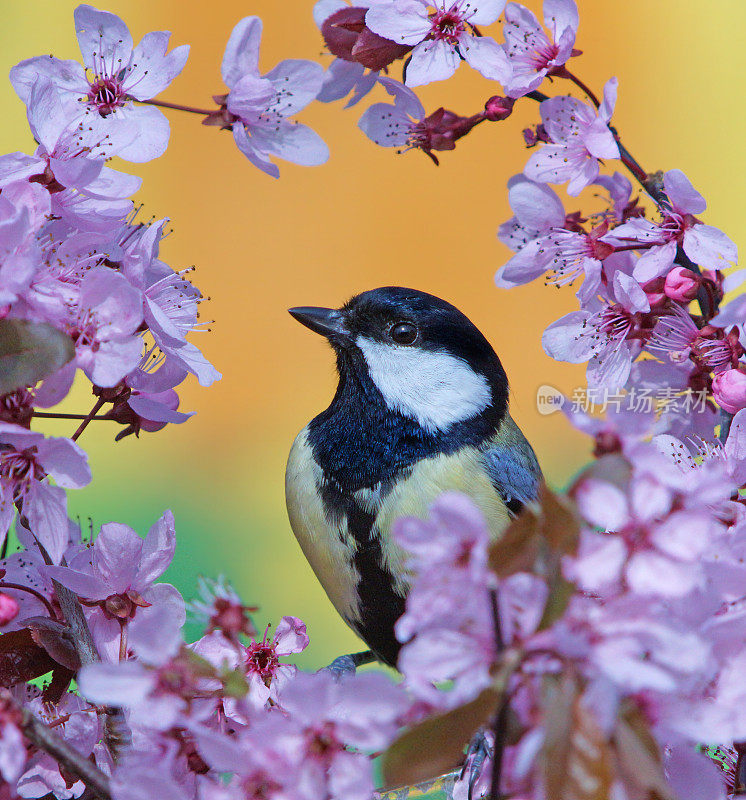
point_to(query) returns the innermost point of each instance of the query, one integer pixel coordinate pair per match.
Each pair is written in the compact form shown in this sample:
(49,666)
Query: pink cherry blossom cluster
(653,626)
(80,276)
(593,650)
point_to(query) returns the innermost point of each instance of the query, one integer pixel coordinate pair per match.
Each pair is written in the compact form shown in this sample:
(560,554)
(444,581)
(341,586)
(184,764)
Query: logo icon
(549,399)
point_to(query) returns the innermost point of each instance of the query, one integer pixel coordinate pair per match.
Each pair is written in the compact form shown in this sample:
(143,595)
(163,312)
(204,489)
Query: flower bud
(682,284)
(8,608)
(498,108)
(729,390)
(348,38)
(655,291)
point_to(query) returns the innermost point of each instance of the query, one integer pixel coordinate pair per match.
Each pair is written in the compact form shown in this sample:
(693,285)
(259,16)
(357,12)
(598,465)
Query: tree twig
(500,723)
(91,414)
(116,733)
(75,618)
(55,415)
(178,107)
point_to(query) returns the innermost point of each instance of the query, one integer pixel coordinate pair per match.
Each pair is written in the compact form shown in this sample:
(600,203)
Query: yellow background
(367,218)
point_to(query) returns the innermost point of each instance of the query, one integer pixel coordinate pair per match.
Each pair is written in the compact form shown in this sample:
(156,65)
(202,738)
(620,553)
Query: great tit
(421,408)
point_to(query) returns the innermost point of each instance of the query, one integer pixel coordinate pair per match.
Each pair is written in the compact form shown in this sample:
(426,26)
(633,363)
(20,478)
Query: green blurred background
(367,218)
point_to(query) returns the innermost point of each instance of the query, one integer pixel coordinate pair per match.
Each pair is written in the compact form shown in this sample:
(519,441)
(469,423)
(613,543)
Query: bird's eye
(403,333)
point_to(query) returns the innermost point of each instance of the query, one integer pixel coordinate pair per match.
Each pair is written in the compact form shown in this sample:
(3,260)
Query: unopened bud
(729,390)
(348,38)
(655,292)
(498,108)
(8,608)
(682,284)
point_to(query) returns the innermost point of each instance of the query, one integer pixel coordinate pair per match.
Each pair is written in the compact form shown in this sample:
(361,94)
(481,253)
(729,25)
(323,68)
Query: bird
(421,408)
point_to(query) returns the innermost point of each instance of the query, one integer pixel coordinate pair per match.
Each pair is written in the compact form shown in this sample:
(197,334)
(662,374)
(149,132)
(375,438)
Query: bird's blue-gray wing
(512,466)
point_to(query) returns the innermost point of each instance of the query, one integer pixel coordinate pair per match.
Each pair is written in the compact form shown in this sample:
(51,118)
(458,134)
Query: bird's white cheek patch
(434,388)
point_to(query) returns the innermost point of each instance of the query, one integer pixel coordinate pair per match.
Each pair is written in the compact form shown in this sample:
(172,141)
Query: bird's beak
(326,321)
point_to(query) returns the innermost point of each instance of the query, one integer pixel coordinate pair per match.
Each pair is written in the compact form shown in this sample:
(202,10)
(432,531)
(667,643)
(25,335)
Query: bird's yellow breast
(330,547)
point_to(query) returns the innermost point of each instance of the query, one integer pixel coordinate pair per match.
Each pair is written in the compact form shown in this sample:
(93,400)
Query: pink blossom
(653,548)
(23,210)
(619,188)
(116,580)
(77,723)
(265,673)
(537,211)
(27,459)
(150,402)
(260,106)
(259,661)
(729,390)
(99,97)
(448,628)
(637,644)
(710,467)
(578,137)
(12,742)
(606,338)
(533,55)
(443,37)
(405,125)
(108,316)
(154,696)
(154,410)
(454,537)
(343,78)
(703,244)
(170,309)
(618,430)
(82,190)
(264,762)
(676,336)
(333,716)
(221,609)
(346,74)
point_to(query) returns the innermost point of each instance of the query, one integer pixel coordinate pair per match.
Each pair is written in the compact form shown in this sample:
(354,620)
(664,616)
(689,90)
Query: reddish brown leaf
(59,684)
(21,659)
(560,592)
(577,758)
(533,540)
(638,759)
(561,527)
(517,550)
(436,746)
(612,468)
(56,639)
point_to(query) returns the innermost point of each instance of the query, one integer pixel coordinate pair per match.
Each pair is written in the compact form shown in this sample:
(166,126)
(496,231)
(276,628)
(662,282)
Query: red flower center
(447,26)
(106,95)
(261,659)
(19,468)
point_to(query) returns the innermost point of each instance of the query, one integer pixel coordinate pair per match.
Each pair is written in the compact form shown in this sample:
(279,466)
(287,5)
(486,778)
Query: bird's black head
(424,357)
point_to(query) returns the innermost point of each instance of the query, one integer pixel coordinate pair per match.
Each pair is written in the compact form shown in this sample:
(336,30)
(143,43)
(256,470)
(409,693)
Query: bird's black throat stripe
(378,602)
